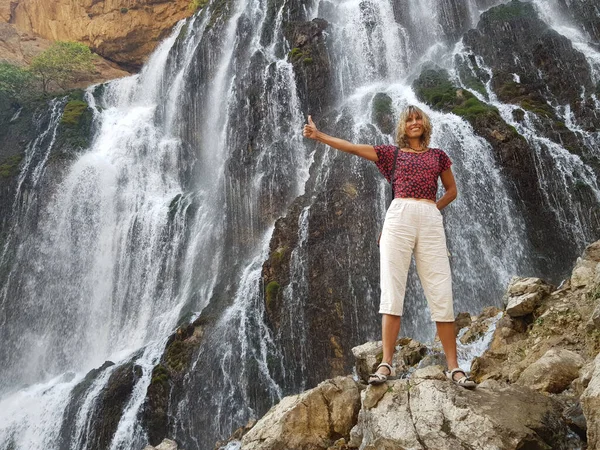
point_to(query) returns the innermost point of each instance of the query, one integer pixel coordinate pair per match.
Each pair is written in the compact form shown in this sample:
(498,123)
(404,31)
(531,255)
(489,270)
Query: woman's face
(414,126)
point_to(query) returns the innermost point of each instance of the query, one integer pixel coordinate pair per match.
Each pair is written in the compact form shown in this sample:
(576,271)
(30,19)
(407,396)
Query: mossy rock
(160,375)
(382,112)
(434,88)
(296,53)
(74,109)
(10,166)
(271,291)
(219,10)
(510,11)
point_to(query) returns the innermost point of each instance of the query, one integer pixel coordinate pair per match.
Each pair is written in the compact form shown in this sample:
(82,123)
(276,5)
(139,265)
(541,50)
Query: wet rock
(590,402)
(314,419)
(575,418)
(480,326)
(461,321)
(553,372)
(311,63)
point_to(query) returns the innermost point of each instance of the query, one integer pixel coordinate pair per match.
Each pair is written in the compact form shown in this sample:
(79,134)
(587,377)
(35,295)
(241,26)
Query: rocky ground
(539,383)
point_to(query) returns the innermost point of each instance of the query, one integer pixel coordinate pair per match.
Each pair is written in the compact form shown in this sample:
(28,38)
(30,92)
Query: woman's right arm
(362,150)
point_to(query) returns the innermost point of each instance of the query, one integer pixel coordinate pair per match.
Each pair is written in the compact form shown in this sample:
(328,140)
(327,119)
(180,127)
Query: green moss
(382,104)
(510,11)
(539,108)
(10,166)
(198,4)
(475,84)
(176,356)
(74,109)
(308,60)
(160,374)
(279,252)
(271,291)
(295,53)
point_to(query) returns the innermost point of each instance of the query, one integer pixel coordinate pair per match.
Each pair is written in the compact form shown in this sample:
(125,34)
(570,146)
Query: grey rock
(590,402)
(553,372)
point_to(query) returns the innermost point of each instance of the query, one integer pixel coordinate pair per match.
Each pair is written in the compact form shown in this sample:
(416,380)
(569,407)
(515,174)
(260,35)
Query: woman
(413,223)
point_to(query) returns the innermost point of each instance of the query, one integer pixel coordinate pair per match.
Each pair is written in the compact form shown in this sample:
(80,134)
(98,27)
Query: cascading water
(171,209)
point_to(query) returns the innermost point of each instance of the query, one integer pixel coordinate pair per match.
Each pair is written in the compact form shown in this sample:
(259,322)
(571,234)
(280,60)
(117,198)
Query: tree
(63,62)
(14,80)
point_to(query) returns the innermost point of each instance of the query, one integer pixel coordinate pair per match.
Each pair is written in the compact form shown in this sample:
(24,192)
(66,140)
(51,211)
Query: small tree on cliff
(15,81)
(62,63)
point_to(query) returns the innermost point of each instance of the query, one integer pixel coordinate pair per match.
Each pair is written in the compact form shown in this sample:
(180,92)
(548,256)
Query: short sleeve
(445,161)
(385,162)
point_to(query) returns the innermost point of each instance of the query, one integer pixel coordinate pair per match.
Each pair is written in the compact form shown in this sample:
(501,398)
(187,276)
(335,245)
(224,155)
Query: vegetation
(271,291)
(435,88)
(10,166)
(508,11)
(160,374)
(195,5)
(62,63)
(124,10)
(15,81)
(74,109)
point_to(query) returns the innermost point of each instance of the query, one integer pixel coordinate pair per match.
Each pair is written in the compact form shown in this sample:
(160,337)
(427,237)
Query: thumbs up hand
(310,129)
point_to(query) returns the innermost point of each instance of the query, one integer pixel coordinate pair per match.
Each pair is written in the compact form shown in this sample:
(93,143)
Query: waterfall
(171,211)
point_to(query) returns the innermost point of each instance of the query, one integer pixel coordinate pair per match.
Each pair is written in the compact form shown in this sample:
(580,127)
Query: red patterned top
(416,173)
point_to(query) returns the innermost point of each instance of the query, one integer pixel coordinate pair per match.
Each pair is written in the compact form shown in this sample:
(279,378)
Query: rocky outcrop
(314,419)
(539,385)
(311,63)
(167,379)
(428,411)
(590,401)
(121,31)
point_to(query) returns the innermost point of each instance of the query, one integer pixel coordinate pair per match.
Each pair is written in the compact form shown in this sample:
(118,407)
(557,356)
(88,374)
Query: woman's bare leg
(447,334)
(390,327)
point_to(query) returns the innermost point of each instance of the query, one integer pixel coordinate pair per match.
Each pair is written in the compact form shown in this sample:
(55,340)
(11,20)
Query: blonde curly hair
(408,112)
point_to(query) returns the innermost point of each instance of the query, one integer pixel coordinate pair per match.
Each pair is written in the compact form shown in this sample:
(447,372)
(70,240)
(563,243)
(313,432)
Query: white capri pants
(415,225)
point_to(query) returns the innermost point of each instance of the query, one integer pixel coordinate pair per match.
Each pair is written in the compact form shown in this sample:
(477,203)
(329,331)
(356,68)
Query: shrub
(63,62)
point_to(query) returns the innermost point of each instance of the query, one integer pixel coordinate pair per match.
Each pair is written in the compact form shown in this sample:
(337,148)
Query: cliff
(122,31)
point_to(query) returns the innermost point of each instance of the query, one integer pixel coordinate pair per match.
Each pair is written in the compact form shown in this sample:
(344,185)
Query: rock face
(540,386)
(121,31)
(313,419)
(431,412)
(590,401)
(524,295)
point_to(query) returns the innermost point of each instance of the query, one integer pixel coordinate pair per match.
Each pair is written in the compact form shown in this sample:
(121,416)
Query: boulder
(428,411)
(590,402)
(587,267)
(314,419)
(408,352)
(553,372)
(166,444)
(461,321)
(523,295)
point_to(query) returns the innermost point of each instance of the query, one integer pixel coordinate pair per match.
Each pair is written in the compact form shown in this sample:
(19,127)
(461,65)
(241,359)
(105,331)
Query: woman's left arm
(450,187)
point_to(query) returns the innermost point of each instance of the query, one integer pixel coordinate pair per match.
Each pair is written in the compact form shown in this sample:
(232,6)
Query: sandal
(379,378)
(463,381)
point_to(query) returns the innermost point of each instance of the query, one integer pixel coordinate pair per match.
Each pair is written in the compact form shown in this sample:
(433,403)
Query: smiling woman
(413,224)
